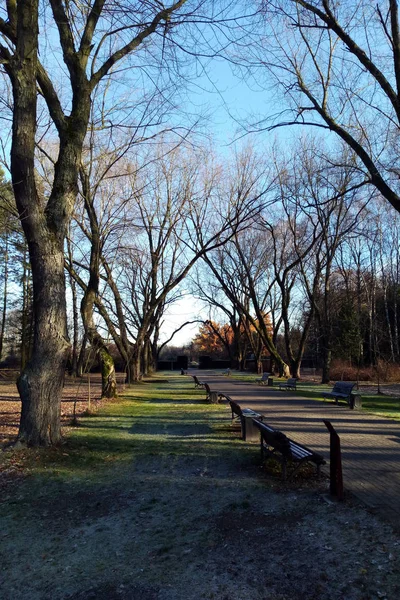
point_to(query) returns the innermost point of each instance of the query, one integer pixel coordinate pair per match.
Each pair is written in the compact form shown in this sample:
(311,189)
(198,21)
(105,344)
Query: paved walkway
(370,444)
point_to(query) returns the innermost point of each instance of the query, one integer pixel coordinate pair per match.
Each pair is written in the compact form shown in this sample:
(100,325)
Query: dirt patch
(79,395)
(120,592)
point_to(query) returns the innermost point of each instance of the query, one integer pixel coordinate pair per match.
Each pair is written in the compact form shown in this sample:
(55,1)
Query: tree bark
(5,297)
(81,358)
(40,384)
(26,309)
(108,376)
(136,361)
(134,367)
(75,314)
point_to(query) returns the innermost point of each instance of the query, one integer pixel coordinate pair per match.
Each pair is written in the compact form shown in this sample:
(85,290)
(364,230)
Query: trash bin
(214,398)
(250,433)
(270,381)
(355,401)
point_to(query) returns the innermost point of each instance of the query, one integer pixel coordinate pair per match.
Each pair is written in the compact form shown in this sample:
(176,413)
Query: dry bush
(385,372)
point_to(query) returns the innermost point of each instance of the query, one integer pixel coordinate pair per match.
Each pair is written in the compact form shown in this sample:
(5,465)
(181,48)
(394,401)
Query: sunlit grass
(148,419)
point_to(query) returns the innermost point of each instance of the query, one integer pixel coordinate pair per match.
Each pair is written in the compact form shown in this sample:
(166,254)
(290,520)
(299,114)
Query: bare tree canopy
(53,78)
(338,66)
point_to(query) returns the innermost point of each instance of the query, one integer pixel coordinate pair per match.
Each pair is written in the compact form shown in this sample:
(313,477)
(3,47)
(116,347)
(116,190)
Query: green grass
(160,418)
(135,467)
(147,419)
(385,406)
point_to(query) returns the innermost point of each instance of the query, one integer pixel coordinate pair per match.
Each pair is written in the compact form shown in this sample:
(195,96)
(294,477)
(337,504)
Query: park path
(370,444)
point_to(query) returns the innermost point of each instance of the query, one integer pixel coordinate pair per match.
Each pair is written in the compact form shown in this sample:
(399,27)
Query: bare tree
(242,269)
(173,216)
(93,39)
(339,67)
(332,201)
(206,287)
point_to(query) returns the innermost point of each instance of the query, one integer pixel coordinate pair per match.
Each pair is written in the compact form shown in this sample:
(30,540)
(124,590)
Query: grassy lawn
(106,440)
(156,497)
(133,460)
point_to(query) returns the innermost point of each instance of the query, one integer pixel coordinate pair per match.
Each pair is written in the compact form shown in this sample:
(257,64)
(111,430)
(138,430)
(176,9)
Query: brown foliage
(342,370)
(207,340)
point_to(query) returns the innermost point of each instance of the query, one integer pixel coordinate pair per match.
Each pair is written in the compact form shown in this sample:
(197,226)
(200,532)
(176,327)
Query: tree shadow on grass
(162,426)
(178,401)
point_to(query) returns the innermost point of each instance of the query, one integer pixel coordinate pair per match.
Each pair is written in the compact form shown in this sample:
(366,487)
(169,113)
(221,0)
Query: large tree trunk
(80,367)
(295,368)
(327,359)
(40,384)
(146,358)
(136,362)
(45,221)
(326,337)
(134,367)
(26,332)
(108,376)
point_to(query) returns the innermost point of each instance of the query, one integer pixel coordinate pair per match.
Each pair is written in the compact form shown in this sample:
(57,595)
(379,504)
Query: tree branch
(90,27)
(330,20)
(161,346)
(66,37)
(163,15)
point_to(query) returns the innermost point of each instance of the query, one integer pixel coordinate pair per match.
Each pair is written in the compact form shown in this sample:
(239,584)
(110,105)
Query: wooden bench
(213,396)
(290,384)
(226,372)
(277,445)
(340,391)
(197,383)
(237,411)
(263,380)
(246,417)
(222,396)
(9,374)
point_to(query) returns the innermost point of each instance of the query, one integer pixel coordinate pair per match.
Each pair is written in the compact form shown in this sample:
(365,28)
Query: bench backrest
(287,447)
(274,438)
(227,398)
(207,388)
(292,381)
(195,379)
(343,387)
(235,408)
(264,377)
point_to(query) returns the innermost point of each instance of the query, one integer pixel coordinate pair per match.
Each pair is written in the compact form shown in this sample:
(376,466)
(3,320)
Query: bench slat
(274,441)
